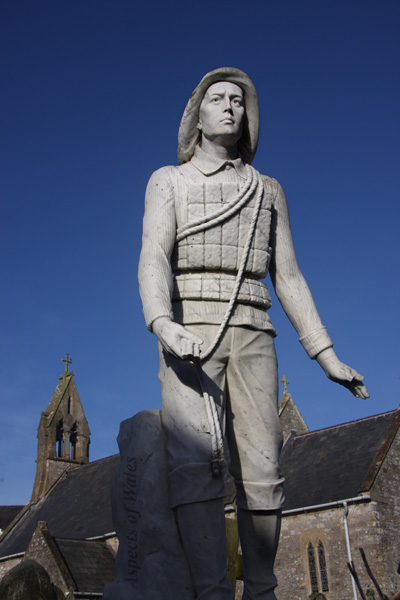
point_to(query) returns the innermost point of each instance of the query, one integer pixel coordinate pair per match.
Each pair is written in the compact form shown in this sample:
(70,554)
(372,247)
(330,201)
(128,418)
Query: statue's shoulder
(268,180)
(271,183)
(163,178)
(163,173)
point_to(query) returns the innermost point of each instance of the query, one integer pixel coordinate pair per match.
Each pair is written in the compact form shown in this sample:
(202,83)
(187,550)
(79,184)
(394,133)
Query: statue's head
(189,131)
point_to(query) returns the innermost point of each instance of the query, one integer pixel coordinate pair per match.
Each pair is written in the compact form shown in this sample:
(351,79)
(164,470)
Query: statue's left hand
(341,373)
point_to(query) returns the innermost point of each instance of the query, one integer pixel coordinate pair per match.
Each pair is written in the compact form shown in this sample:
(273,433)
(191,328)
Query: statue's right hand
(177,340)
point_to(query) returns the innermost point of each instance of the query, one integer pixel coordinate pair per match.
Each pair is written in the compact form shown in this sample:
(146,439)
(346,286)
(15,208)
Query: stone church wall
(55,468)
(386,491)
(327,526)
(8,564)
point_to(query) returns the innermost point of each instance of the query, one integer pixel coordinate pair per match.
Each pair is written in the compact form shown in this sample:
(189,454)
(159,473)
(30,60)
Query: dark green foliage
(28,581)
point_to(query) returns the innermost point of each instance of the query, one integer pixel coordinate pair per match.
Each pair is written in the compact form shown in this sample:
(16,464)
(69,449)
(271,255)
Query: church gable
(63,434)
(289,415)
(79,565)
(44,550)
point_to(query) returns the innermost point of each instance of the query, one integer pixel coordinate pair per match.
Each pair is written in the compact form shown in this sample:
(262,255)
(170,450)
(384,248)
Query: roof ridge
(93,462)
(348,423)
(61,539)
(78,467)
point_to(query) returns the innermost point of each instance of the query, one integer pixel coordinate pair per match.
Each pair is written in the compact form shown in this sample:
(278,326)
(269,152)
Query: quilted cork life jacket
(205,264)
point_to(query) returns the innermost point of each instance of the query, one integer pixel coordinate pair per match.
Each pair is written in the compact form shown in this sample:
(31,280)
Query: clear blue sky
(92,96)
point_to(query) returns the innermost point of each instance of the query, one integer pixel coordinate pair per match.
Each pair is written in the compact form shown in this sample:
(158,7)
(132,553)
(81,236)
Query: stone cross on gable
(67,361)
(285,384)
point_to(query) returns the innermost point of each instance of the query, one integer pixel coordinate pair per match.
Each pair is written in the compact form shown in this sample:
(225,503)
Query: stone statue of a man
(213,228)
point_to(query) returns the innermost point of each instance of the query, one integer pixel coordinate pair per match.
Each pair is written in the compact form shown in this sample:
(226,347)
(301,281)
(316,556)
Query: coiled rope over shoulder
(224,213)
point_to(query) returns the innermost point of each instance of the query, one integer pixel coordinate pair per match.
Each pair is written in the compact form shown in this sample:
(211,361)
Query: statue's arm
(159,227)
(155,274)
(295,297)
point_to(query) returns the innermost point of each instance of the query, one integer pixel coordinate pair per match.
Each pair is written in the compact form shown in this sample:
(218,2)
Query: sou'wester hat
(189,135)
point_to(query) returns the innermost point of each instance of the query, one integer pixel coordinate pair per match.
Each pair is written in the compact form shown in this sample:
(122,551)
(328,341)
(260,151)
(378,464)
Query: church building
(342,494)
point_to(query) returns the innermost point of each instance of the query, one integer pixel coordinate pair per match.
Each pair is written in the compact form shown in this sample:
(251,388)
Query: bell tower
(63,434)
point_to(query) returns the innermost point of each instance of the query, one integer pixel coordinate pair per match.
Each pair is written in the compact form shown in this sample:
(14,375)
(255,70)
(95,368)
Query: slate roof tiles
(91,563)
(78,507)
(331,464)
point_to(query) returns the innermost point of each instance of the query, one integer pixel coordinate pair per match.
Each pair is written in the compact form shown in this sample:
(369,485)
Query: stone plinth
(150,563)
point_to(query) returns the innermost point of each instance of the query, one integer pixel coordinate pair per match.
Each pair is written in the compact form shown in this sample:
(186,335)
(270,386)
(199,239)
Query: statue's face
(222,112)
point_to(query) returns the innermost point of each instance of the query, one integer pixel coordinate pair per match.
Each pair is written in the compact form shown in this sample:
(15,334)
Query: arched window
(322,567)
(312,567)
(72,441)
(317,570)
(59,439)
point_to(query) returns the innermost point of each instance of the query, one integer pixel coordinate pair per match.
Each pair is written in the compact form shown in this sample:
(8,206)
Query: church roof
(90,563)
(77,507)
(7,514)
(336,463)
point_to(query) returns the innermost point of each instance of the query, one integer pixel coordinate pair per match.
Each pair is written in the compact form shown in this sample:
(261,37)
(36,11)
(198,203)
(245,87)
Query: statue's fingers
(362,391)
(358,390)
(352,388)
(196,350)
(186,348)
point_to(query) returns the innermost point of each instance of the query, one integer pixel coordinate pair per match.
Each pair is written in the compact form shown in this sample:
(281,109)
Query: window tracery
(322,567)
(312,567)
(317,569)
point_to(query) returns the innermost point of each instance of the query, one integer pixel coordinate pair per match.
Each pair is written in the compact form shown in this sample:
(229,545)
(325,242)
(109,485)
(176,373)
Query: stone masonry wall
(386,491)
(327,525)
(54,469)
(7,565)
